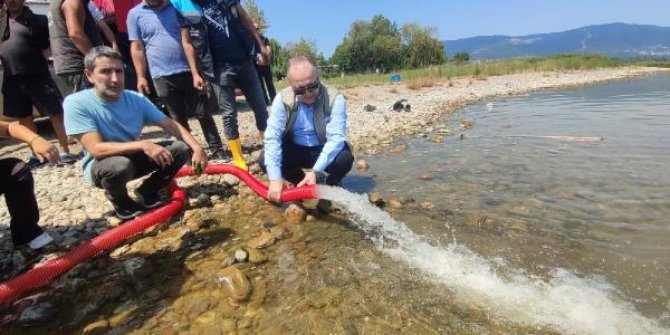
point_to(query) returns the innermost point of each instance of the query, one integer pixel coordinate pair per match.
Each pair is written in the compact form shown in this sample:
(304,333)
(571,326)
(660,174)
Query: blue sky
(326,22)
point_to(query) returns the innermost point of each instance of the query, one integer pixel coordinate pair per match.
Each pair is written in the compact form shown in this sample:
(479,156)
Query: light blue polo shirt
(160,32)
(118,121)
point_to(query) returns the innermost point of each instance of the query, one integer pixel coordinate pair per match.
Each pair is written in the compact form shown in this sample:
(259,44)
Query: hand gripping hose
(47,272)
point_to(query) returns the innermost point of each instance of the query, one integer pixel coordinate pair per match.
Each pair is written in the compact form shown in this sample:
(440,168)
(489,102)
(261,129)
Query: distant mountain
(618,40)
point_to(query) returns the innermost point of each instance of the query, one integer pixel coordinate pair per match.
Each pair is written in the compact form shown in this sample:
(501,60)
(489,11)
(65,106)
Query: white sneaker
(40,241)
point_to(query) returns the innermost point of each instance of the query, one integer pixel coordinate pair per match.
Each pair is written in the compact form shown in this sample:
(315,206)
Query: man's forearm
(139,60)
(181,133)
(82,42)
(189,52)
(106,149)
(19,132)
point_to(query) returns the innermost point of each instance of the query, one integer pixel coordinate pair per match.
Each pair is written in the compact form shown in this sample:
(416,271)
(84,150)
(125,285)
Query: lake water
(570,235)
(530,234)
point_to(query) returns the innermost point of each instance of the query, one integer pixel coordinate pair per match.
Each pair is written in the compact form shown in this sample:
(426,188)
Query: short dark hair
(97,52)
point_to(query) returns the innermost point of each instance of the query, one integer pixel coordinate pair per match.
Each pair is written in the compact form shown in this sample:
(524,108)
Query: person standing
(264,70)
(18,186)
(108,121)
(73,32)
(223,36)
(155,37)
(105,29)
(26,79)
(306,130)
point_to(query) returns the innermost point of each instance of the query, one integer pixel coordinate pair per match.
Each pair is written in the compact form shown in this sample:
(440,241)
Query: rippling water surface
(583,224)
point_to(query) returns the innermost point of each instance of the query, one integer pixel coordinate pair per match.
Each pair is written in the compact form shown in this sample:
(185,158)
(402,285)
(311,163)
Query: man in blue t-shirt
(155,36)
(108,120)
(222,35)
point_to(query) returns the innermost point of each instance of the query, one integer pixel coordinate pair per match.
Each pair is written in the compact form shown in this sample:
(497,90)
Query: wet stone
(137,267)
(37,313)
(236,282)
(427,206)
(241,255)
(426,176)
(395,204)
(256,256)
(362,165)
(279,233)
(294,213)
(264,240)
(377,198)
(437,139)
(398,149)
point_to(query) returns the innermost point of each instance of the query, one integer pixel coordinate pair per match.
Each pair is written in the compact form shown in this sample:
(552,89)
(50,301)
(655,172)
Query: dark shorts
(74,82)
(23,91)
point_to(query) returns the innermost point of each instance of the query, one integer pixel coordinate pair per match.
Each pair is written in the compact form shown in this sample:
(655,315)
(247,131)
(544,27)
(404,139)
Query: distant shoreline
(429,105)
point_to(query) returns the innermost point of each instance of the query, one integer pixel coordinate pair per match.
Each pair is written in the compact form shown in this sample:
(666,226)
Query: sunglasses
(300,90)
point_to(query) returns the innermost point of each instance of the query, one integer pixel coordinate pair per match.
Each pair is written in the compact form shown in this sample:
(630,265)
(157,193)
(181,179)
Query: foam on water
(564,302)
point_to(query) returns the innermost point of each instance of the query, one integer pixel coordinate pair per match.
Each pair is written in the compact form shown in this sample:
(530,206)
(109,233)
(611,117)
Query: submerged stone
(237,283)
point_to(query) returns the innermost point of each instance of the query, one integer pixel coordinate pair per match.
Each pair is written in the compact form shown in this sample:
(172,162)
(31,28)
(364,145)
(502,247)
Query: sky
(327,22)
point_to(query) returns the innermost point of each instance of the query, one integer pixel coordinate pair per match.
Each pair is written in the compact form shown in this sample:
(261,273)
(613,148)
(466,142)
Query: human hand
(143,86)
(158,154)
(199,158)
(310,179)
(274,190)
(44,150)
(198,83)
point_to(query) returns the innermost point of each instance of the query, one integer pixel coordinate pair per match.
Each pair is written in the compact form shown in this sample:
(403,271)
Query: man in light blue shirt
(107,120)
(306,130)
(155,37)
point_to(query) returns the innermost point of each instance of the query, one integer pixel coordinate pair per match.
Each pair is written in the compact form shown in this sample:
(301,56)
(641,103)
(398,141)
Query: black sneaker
(128,212)
(219,155)
(148,200)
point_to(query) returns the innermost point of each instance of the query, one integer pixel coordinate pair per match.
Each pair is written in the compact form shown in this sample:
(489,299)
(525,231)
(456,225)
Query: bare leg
(27,121)
(59,129)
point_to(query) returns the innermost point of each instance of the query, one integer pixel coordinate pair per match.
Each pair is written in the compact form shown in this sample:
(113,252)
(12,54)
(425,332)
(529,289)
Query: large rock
(362,165)
(377,198)
(237,283)
(295,213)
(264,240)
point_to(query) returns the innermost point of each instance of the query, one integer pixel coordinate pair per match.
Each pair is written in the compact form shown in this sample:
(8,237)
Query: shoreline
(75,211)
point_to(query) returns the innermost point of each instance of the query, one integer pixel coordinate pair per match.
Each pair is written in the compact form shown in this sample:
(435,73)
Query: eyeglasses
(300,90)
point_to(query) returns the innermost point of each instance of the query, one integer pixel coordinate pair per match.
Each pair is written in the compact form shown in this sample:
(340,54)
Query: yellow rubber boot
(236,148)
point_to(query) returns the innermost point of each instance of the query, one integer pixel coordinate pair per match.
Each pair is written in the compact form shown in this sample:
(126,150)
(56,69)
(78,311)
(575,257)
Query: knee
(21,172)
(180,152)
(118,168)
(345,159)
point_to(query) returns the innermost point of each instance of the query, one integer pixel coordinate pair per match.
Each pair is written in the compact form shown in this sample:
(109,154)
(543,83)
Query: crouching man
(108,120)
(306,130)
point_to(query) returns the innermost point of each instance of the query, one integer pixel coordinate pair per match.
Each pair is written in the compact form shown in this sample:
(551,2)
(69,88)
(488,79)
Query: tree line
(369,46)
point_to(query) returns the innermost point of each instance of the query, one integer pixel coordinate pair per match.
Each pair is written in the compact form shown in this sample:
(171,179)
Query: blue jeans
(245,77)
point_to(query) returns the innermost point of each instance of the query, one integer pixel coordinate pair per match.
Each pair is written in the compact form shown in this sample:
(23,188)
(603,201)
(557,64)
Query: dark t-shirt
(225,44)
(23,41)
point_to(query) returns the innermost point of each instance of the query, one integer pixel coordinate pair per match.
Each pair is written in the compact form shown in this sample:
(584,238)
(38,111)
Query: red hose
(45,273)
